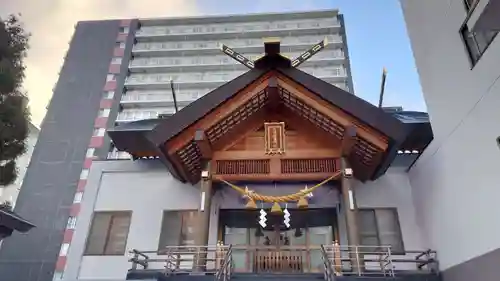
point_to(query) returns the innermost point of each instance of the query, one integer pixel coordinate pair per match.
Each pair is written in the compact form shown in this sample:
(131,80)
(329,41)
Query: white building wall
(455,182)
(146,189)
(392,190)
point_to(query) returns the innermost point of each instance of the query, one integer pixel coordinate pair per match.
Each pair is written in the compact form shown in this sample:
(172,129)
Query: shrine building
(276,171)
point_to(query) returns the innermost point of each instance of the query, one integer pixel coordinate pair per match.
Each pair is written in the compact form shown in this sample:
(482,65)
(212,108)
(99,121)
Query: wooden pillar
(203,227)
(351,217)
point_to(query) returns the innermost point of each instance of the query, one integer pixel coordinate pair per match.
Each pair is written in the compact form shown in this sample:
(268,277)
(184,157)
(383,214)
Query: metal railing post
(389,261)
(134,259)
(358,267)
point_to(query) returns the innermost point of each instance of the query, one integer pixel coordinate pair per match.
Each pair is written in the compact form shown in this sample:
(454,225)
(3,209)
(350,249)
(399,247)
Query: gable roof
(370,115)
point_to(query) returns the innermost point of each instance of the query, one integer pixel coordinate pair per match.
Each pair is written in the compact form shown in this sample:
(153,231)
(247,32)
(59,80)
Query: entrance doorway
(276,248)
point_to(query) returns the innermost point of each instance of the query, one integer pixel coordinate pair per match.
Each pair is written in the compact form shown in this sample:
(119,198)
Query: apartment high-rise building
(187,52)
(275,129)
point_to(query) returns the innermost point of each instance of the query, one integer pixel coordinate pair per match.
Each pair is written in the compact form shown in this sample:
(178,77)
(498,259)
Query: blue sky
(376,36)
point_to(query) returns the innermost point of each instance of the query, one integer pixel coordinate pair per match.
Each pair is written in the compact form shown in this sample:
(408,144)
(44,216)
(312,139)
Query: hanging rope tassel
(282,199)
(276,208)
(251,204)
(302,203)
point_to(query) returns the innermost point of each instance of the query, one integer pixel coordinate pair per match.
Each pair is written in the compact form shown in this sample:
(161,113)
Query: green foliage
(14,112)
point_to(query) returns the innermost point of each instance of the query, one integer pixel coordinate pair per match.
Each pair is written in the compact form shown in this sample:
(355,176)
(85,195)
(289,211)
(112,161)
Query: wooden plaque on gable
(274,134)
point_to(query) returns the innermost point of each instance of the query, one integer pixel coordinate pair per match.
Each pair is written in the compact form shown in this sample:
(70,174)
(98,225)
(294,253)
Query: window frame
(71,224)
(473,36)
(108,232)
(99,132)
(84,174)
(377,230)
(124,29)
(116,60)
(104,112)
(161,247)
(469,7)
(90,152)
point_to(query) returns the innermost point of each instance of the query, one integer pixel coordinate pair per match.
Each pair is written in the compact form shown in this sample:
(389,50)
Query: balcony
(483,15)
(331,261)
(192,80)
(233,30)
(162,98)
(222,62)
(251,45)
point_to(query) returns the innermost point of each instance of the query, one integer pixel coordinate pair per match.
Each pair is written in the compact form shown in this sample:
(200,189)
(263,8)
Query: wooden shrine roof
(156,134)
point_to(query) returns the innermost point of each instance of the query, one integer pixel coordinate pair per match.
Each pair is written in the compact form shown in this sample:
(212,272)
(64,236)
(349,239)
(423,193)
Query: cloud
(52,22)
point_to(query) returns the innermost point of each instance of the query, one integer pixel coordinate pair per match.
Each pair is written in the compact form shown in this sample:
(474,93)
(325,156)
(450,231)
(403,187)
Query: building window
(110,77)
(71,223)
(380,227)
(58,275)
(116,60)
(90,153)
(84,174)
(120,45)
(108,233)
(476,43)
(109,94)
(64,249)
(78,197)
(469,4)
(99,132)
(124,29)
(104,112)
(177,229)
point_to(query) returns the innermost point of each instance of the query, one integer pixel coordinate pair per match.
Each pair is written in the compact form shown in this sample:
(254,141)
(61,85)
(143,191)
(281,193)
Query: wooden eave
(254,101)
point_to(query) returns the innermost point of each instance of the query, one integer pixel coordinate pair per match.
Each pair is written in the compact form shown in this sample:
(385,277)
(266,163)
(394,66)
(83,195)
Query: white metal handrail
(328,267)
(225,271)
(180,259)
(337,260)
(379,260)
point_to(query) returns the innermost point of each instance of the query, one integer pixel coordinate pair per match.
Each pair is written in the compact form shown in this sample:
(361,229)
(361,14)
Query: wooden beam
(348,140)
(273,93)
(203,144)
(219,113)
(273,177)
(333,112)
(290,154)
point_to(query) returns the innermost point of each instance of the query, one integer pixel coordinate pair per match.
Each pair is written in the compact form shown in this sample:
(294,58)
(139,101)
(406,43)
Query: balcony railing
(379,260)
(149,98)
(335,259)
(248,45)
(183,96)
(219,61)
(235,28)
(214,79)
